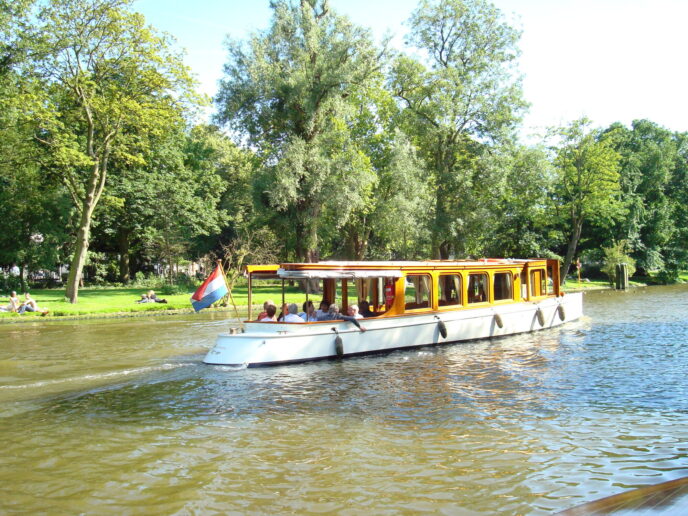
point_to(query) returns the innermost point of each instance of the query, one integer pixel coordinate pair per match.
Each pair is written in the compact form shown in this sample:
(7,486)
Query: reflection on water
(122,416)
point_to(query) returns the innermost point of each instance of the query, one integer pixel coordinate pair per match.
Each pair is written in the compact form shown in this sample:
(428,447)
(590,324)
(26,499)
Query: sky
(608,60)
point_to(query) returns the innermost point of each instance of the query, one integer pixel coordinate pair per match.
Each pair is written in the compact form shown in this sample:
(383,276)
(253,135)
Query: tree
(648,158)
(676,249)
(164,205)
(520,207)
(392,221)
(111,83)
(588,181)
(33,212)
(458,100)
(286,94)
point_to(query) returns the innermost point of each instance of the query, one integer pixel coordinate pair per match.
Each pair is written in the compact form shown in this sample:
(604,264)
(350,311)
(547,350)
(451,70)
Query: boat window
(503,287)
(450,290)
(371,295)
(550,278)
(524,285)
(417,291)
(538,283)
(477,288)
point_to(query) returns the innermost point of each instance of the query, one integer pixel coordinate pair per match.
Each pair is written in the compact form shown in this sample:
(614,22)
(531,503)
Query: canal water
(121,417)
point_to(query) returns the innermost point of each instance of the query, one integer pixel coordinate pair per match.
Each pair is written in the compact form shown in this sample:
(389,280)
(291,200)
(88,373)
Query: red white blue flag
(213,289)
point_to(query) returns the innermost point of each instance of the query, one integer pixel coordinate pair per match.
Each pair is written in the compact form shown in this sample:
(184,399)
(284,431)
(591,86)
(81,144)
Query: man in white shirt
(292,316)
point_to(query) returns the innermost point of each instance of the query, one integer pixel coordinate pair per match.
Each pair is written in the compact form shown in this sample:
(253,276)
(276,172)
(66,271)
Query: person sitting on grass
(155,299)
(145,299)
(13,305)
(29,305)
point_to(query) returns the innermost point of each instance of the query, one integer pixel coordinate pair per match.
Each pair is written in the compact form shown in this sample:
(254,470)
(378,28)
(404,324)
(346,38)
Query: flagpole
(229,291)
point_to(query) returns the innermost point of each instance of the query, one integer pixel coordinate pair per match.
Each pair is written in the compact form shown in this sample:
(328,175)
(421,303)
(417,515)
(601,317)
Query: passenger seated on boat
(364,309)
(352,311)
(292,315)
(270,312)
(308,313)
(334,315)
(322,310)
(267,303)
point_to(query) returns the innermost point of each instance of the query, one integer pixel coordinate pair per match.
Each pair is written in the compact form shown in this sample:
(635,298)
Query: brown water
(121,417)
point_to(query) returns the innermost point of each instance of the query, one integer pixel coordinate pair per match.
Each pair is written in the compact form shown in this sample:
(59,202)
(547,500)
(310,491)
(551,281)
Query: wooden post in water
(621,276)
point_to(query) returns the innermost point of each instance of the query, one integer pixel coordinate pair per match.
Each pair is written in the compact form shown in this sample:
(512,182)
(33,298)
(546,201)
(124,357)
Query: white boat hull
(279,343)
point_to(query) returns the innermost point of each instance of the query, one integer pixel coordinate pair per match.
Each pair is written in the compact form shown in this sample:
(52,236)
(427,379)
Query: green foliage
(339,152)
(463,96)
(109,85)
(287,92)
(649,155)
(587,186)
(617,254)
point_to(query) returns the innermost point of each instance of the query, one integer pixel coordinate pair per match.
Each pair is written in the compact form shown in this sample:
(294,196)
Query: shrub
(616,255)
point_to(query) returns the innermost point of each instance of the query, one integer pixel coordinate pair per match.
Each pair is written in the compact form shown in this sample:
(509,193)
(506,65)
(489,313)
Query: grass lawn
(95,301)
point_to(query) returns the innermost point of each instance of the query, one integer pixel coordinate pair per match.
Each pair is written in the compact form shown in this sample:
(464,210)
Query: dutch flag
(213,289)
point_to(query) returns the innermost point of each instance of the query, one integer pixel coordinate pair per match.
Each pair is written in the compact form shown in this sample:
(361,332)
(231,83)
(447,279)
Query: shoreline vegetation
(120,302)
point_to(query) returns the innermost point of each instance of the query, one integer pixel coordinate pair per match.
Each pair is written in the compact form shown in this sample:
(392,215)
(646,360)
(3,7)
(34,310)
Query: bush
(8,283)
(616,255)
(669,275)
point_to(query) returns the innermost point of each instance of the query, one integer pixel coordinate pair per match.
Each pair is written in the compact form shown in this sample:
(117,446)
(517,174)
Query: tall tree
(463,96)
(676,250)
(588,181)
(285,92)
(392,222)
(111,83)
(520,207)
(648,158)
(161,207)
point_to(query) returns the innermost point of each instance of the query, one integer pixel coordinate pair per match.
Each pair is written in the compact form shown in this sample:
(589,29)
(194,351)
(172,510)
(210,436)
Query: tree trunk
(444,248)
(22,279)
(76,267)
(356,243)
(571,250)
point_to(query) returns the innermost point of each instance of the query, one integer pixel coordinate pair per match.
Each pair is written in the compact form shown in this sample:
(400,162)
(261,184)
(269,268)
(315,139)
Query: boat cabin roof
(384,269)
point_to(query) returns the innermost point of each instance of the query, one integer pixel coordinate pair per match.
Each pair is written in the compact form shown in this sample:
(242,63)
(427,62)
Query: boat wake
(99,376)
(228,368)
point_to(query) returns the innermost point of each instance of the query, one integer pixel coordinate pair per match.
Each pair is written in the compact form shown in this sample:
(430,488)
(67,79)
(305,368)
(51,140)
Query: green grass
(107,301)
(95,301)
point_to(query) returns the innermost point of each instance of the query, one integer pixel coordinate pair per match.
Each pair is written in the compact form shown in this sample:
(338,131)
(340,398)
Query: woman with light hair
(13,305)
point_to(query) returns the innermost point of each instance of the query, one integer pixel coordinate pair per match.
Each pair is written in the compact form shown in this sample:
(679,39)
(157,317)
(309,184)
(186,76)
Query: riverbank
(122,302)
(118,302)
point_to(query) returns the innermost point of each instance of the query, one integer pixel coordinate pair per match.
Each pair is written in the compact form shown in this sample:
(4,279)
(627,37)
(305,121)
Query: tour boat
(413,304)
